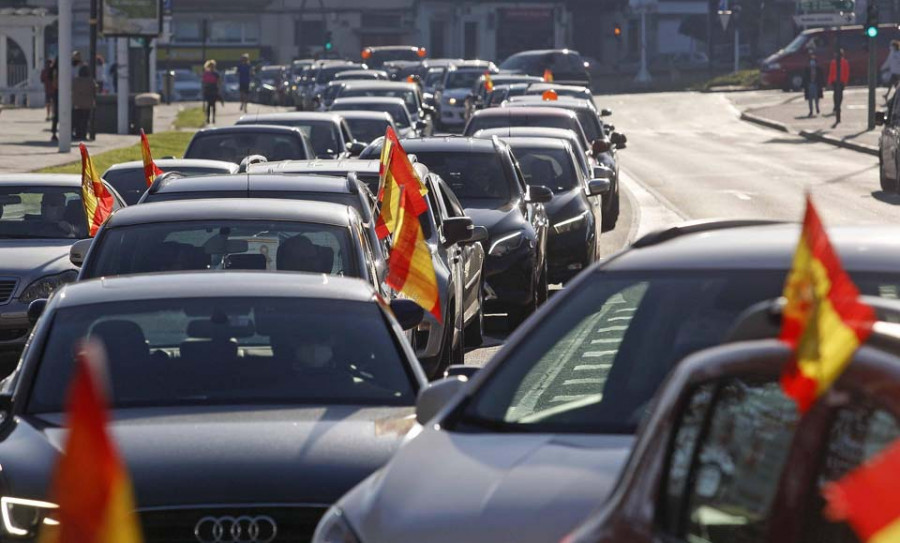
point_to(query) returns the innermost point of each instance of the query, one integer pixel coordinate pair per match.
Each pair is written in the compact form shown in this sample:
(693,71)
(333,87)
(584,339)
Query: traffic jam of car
(283,319)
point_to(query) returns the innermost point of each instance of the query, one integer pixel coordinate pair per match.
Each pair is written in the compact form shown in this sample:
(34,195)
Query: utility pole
(871,35)
(643,7)
(92,55)
(736,11)
(64,76)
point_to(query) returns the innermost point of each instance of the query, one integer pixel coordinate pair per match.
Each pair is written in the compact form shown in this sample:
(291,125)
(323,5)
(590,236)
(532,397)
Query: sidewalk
(25,136)
(789,113)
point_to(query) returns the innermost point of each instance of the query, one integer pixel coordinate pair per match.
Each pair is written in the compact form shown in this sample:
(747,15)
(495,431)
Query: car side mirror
(479,233)
(355,147)
(599,146)
(602,172)
(457,230)
(611,127)
(619,140)
(35,310)
(461,370)
(407,312)
(6,409)
(598,187)
(78,252)
(880,118)
(539,194)
(605,112)
(436,396)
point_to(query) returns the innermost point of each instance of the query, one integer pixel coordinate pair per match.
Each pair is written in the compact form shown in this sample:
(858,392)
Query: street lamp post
(643,7)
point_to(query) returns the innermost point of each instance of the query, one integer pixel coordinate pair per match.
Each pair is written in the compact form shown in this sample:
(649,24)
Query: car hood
(35,257)
(210,454)
(496,220)
(486,487)
(565,205)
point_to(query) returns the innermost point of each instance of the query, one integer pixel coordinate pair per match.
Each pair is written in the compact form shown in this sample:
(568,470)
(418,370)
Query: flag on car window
(151,170)
(97,201)
(548,76)
(91,485)
(866,498)
(410,268)
(488,82)
(396,171)
(824,321)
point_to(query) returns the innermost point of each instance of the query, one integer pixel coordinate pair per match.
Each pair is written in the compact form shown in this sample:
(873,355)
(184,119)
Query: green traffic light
(872,31)
(328,46)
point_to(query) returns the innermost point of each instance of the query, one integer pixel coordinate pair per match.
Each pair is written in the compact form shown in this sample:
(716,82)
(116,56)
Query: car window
(858,433)
(202,351)
(131,184)
(323,135)
(736,469)
(408,96)
(502,121)
(462,79)
(42,212)
(471,176)
(566,63)
(553,167)
(397,112)
(234,147)
(222,245)
(589,123)
(366,130)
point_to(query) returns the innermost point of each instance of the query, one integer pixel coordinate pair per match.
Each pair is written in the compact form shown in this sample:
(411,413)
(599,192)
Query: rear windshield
(223,245)
(552,168)
(326,74)
(471,176)
(323,135)
(131,185)
(502,121)
(366,130)
(230,350)
(379,57)
(235,146)
(408,96)
(524,62)
(342,198)
(397,111)
(462,79)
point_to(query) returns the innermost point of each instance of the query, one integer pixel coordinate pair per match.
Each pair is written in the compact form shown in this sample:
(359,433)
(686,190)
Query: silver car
(41,216)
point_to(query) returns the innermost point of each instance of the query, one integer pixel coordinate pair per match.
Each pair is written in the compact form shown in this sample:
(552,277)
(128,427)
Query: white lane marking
(591,367)
(626,309)
(738,194)
(597,354)
(615,319)
(567,397)
(584,381)
(611,329)
(613,340)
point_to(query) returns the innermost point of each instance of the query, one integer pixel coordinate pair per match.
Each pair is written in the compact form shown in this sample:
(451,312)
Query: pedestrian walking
(838,86)
(84,98)
(211,81)
(47,81)
(892,67)
(114,76)
(813,84)
(101,75)
(243,72)
(54,85)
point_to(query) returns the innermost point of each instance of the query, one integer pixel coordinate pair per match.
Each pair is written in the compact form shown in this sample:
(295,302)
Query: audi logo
(242,529)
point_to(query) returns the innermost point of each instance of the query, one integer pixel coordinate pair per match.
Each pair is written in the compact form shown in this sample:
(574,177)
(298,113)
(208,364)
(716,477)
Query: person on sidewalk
(813,84)
(838,86)
(892,66)
(243,72)
(210,90)
(47,81)
(84,98)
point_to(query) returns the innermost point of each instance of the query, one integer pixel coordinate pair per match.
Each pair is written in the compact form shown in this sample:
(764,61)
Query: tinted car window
(366,130)
(131,185)
(234,147)
(408,96)
(326,74)
(323,135)
(397,112)
(553,168)
(342,198)
(218,245)
(42,213)
(525,62)
(380,56)
(462,79)
(471,176)
(590,123)
(205,351)
(501,121)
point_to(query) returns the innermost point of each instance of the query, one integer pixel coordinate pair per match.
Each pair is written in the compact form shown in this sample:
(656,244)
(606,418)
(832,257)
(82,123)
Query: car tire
(516,315)
(475,330)
(887,184)
(611,212)
(795,81)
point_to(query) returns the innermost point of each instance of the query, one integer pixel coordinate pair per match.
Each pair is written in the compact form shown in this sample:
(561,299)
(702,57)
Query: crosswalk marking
(585,381)
(613,319)
(612,329)
(597,354)
(612,340)
(567,397)
(590,367)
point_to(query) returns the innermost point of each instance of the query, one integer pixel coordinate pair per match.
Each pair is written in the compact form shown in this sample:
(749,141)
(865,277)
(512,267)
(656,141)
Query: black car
(232,395)
(375,57)
(566,65)
(576,210)
(235,143)
(128,177)
(889,146)
(328,134)
(485,177)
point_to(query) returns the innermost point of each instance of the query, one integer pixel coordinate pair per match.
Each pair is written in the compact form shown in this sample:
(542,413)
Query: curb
(762,121)
(853,146)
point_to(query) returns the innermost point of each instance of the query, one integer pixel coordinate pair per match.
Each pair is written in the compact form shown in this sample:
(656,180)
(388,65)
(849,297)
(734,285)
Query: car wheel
(447,355)
(796,81)
(887,184)
(516,315)
(610,212)
(475,329)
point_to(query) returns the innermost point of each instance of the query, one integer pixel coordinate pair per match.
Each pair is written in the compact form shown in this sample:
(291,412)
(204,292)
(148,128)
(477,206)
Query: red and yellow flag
(866,498)
(151,170)
(396,171)
(98,202)
(824,321)
(548,76)
(488,82)
(91,486)
(410,268)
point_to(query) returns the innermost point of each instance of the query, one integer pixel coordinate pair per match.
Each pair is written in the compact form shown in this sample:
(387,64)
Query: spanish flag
(151,170)
(410,268)
(488,82)
(98,202)
(396,171)
(824,321)
(866,498)
(548,76)
(91,486)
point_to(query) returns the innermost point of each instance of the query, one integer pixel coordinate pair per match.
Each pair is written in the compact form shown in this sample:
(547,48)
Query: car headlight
(333,528)
(45,286)
(22,518)
(771,67)
(451,101)
(569,225)
(506,244)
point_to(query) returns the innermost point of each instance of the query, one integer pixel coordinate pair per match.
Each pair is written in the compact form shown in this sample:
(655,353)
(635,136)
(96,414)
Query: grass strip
(162,144)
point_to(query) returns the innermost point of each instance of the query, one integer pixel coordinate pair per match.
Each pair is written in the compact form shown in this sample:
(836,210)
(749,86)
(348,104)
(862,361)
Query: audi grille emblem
(243,529)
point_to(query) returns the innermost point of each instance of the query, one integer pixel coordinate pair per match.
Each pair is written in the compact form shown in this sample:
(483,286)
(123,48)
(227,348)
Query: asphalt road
(690,157)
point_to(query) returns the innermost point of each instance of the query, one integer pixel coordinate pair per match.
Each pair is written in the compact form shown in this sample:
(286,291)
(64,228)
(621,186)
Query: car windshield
(471,176)
(397,112)
(408,96)
(480,122)
(552,167)
(462,79)
(796,44)
(223,245)
(366,130)
(235,146)
(323,135)
(42,213)
(433,77)
(131,185)
(202,351)
(326,74)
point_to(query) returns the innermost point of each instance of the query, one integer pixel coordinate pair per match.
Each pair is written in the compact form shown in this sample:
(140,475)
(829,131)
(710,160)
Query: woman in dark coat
(813,84)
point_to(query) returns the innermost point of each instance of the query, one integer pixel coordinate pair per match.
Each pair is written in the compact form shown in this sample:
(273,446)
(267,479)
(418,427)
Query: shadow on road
(887,197)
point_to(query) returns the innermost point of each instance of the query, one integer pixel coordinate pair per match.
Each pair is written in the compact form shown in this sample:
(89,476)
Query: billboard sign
(131,18)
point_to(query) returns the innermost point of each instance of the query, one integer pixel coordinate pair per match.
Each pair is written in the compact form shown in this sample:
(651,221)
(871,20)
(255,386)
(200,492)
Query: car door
(535,214)
(595,202)
(890,141)
(452,254)
(472,255)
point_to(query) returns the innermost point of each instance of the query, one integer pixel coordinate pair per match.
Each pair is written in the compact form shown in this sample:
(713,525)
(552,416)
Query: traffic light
(617,31)
(872,19)
(329,45)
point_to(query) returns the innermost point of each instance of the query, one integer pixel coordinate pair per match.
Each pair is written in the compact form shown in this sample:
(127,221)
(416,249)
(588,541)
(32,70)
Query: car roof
(358,114)
(368,100)
(535,100)
(319,165)
(175,163)
(471,65)
(232,209)
(536,141)
(548,85)
(365,84)
(544,52)
(49,179)
(289,116)
(256,181)
(236,129)
(763,247)
(524,111)
(214,284)
(528,131)
(392,48)
(449,143)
